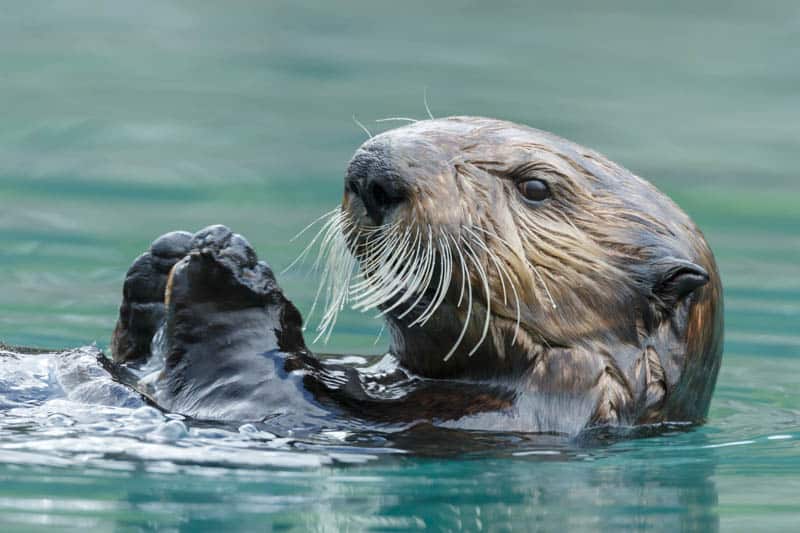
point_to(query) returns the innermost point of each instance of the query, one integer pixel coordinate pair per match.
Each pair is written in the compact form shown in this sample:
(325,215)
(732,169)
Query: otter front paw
(220,291)
(142,310)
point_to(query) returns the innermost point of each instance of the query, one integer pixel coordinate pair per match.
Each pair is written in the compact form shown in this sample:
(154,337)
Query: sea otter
(527,283)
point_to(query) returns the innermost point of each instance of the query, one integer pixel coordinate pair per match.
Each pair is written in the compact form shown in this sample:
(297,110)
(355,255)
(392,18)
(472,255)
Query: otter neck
(422,350)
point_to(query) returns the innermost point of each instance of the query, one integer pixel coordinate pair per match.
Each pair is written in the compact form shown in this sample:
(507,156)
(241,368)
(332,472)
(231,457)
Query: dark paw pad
(142,309)
(220,286)
(213,284)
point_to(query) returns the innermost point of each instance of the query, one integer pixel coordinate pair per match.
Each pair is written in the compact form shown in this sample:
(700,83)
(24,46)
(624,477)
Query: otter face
(484,243)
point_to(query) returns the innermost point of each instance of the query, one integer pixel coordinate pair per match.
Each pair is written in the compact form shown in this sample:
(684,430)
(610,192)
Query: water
(124,121)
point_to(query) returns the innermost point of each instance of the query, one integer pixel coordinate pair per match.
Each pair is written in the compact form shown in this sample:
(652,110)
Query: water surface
(124,120)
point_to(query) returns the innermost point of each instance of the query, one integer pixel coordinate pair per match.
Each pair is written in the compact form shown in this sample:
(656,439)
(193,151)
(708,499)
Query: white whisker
(425,274)
(465,278)
(380,334)
(328,278)
(445,275)
(385,247)
(525,259)
(386,274)
(470,253)
(425,101)
(400,281)
(338,293)
(329,213)
(478,241)
(363,127)
(501,271)
(415,276)
(334,216)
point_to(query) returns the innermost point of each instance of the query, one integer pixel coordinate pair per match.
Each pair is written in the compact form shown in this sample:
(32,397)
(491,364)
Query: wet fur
(612,277)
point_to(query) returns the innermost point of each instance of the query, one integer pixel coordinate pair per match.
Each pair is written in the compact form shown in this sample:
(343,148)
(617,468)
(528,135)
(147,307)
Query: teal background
(122,120)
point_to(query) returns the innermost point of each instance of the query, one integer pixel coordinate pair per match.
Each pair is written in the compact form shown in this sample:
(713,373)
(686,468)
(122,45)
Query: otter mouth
(407,272)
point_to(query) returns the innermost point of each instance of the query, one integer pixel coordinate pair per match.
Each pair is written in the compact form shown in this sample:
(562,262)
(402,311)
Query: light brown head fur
(606,265)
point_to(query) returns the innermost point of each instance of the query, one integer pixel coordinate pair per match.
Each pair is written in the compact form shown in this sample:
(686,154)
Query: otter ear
(677,278)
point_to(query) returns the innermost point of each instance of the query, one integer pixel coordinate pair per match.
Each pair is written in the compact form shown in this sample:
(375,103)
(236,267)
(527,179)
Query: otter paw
(142,310)
(221,293)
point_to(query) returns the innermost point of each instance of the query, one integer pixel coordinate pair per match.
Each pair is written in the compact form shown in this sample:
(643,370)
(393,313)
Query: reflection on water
(122,121)
(404,494)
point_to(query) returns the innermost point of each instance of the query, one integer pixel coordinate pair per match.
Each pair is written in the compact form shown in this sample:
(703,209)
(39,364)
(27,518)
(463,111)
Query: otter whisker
(334,271)
(337,235)
(322,284)
(464,280)
(523,258)
(501,271)
(403,280)
(333,211)
(470,253)
(374,292)
(380,334)
(386,262)
(400,119)
(384,247)
(504,271)
(375,259)
(335,248)
(431,308)
(541,280)
(478,241)
(332,233)
(418,273)
(425,101)
(338,292)
(424,279)
(397,282)
(445,275)
(369,255)
(400,279)
(333,215)
(329,234)
(363,127)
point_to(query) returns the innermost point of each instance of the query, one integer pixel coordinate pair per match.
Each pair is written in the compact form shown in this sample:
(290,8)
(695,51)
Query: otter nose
(379,189)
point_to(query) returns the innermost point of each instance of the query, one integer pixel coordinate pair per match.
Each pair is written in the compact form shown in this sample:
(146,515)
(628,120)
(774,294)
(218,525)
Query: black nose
(380,189)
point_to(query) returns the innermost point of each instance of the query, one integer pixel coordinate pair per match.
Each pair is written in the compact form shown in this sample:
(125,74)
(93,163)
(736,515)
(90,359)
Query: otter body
(528,283)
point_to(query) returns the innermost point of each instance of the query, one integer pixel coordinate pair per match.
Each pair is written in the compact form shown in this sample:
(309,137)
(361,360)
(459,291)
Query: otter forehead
(428,149)
(451,137)
(430,157)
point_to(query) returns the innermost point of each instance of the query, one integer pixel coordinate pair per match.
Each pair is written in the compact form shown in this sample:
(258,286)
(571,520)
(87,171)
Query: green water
(122,120)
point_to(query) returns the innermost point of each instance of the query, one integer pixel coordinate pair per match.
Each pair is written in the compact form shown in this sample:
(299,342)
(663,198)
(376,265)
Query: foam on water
(61,409)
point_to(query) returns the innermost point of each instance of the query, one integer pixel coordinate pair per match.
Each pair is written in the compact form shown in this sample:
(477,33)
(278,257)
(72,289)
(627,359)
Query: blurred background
(120,121)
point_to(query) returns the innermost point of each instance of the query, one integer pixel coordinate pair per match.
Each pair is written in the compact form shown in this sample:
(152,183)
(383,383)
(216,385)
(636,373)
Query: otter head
(484,243)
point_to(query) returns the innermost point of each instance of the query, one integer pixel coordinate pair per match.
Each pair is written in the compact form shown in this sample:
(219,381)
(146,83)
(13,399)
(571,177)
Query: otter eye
(534,190)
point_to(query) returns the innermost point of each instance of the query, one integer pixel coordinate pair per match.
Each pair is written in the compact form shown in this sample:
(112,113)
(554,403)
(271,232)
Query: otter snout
(372,180)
